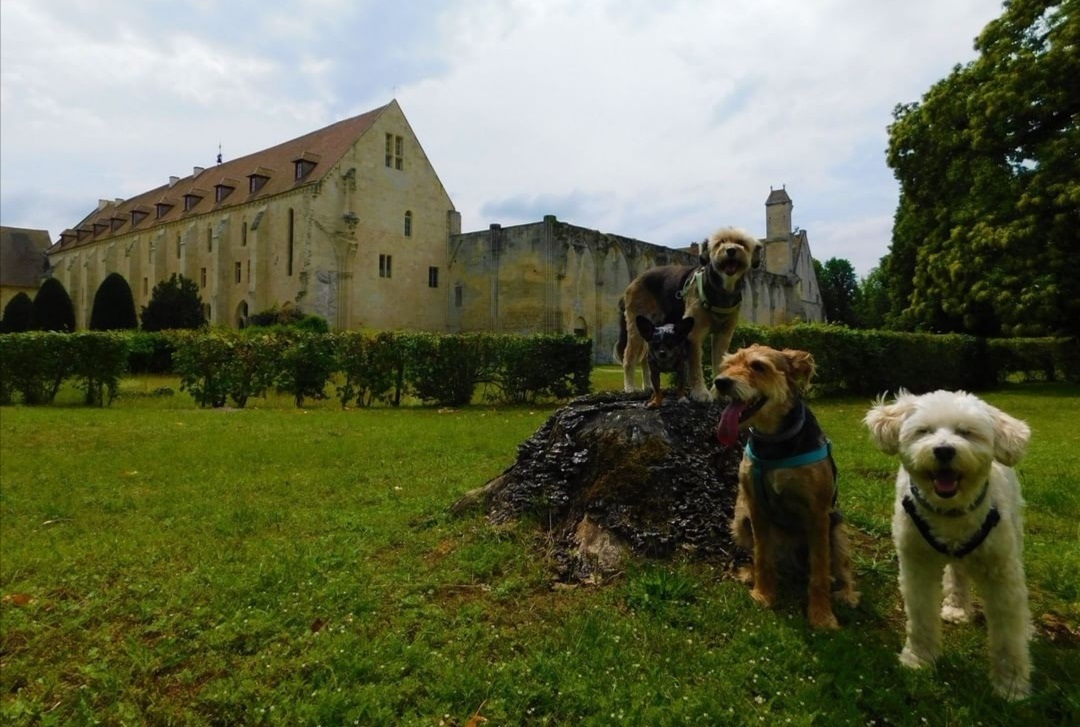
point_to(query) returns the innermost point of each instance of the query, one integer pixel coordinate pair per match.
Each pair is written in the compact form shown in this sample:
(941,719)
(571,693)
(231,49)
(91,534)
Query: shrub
(18,314)
(544,365)
(150,353)
(114,306)
(288,317)
(445,369)
(174,304)
(34,365)
(305,365)
(99,359)
(252,366)
(366,366)
(53,309)
(202,361)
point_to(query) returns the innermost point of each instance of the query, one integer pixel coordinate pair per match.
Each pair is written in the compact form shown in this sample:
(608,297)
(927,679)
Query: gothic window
(408,223)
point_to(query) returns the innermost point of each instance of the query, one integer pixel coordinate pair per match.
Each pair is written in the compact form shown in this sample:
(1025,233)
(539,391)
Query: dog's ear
(757,252)
(1011,437)
(645,327)
(884,420)
(684,326)
(800,367)
(703,258)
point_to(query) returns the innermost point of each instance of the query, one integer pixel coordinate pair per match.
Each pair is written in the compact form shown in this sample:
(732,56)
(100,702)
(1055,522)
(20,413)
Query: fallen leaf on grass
(317,625)
(17,599)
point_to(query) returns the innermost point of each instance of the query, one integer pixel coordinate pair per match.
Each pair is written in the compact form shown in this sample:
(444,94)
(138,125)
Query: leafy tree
(53,309)
(18,314)
(174,304)
(986,230)
(872,303)
(839,290)
(114,306)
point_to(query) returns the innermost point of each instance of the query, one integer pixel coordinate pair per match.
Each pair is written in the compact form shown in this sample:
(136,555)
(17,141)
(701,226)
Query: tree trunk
(610,479)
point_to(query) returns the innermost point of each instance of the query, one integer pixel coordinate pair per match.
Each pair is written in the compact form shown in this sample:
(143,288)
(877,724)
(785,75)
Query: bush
(543,365)
(366,366)
(288,317)
(305,365)
(53,309)
(150,353)
(114,306)
(174,304)
(202,361)
(445,369)
(18,314)
(99,359)
(34,365)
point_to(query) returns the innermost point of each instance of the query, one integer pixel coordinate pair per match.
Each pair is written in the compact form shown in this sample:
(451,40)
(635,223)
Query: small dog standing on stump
(957,519)
(669,352)
(710,294)
(787,478)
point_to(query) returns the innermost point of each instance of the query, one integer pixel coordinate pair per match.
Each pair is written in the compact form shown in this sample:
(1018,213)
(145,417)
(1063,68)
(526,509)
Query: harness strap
(992,519)
(760,466)
(732,300)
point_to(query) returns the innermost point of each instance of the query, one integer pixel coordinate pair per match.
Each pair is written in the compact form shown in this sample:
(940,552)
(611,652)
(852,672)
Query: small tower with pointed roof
(778,258)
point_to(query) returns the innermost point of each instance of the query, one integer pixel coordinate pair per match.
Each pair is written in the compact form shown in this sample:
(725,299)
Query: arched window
(241,314)
(408,223)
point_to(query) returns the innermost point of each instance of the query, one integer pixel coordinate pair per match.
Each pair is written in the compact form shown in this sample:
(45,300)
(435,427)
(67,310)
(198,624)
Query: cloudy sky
(653,119)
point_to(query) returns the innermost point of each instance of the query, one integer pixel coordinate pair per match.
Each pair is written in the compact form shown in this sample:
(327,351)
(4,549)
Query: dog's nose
(732,252)
(944,453)
(722,383)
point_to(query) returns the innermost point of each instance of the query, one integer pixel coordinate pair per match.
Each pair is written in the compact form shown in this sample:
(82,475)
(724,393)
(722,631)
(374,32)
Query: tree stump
(610,479)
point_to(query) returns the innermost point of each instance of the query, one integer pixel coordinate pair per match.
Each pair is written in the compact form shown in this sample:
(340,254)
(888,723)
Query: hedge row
(217,366)
(35,364)
(861,362)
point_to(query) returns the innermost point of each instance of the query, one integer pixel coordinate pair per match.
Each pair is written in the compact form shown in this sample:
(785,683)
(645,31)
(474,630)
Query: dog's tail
(620,345)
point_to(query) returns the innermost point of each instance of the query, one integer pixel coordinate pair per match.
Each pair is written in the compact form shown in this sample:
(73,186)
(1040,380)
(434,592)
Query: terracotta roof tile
(323,147)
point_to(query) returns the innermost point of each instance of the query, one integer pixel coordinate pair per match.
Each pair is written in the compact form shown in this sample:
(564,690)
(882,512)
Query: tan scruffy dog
(710,293)
(787,478)
(957,519)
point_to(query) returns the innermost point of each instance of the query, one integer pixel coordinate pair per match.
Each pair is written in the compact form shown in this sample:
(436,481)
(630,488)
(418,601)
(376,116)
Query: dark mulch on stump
(609,479)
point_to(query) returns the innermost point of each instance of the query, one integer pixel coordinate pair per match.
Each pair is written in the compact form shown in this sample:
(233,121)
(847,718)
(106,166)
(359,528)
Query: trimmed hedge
(36,363)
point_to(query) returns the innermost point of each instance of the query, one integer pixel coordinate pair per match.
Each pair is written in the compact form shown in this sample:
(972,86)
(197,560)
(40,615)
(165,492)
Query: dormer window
(82,233)
(190,200)
(256,182)
(303,164)
(302,169)
(100,227)
(221,191)
(115,223)
(138,216)
(161,209)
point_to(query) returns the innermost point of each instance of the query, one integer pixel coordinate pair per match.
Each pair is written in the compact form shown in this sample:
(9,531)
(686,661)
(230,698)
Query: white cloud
(657,121)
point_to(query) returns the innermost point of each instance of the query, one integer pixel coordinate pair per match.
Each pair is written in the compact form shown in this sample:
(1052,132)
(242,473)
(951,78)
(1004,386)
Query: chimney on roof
(198,171)
(119,201)
(173,180)
(102,204)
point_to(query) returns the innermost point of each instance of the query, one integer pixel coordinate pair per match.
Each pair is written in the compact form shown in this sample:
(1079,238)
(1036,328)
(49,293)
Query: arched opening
(241,314)
(581,328)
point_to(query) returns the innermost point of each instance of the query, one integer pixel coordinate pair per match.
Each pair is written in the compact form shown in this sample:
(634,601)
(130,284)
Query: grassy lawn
(163,564)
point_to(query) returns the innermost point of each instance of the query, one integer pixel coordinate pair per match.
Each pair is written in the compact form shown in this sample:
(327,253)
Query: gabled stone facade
(349,222)
(22,262)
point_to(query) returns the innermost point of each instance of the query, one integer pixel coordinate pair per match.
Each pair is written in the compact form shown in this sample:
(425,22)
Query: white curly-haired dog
(958,510)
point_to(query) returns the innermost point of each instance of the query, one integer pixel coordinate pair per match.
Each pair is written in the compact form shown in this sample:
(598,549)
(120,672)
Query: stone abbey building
(352,223)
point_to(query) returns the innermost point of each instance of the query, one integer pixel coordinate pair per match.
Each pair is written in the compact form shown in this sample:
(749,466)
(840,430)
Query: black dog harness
(718,300)
(801,443)
(992,519)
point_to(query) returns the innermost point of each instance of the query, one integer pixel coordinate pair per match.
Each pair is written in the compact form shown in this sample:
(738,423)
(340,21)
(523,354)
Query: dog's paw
(763,599)
(847,596)
(1013,689)
(823,620)
(912,660)
(701,395)
(954,614)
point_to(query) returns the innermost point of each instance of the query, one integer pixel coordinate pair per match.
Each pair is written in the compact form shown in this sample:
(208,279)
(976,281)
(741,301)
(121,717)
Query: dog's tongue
(945,483)
(727,431)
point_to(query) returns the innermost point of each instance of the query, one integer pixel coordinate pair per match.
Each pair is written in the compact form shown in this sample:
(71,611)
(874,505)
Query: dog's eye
(923,430)
(963,432)
(757,366)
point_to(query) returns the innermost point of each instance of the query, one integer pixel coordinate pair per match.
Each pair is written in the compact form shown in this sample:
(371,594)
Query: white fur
(988,443)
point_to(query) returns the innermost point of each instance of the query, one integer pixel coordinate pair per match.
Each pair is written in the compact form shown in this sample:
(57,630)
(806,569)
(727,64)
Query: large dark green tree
(53,309)
(174,303)
(114,306)
(872,304)
(839,290)
(987,232)
(18,314)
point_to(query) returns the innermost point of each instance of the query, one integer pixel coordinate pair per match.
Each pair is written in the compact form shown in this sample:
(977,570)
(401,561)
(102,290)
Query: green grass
(168,565)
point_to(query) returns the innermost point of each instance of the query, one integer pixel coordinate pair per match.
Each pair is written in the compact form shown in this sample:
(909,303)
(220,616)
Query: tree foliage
(18,314)
(114,306)
(53,309)
(988,223)
(174,304)
(839,290)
